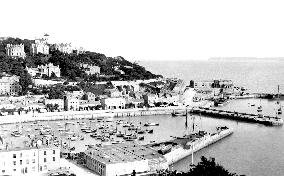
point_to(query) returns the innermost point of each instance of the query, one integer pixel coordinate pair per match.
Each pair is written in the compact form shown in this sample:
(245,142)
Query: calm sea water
(253,149)
(261,76)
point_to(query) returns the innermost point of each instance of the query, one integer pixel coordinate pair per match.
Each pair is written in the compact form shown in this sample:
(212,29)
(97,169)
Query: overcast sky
(153,29)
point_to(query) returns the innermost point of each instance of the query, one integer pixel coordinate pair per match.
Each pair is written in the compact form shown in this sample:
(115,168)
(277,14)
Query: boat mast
(186,117)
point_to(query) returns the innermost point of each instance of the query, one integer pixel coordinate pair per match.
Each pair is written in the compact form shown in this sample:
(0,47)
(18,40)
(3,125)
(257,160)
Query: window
(53,151)
(14,155)
(14,163)
(21,154)
(14,170)
(33,160)
(44,159)
(44,152)
(53,158)
(21,162)
(3,171)
(45,167)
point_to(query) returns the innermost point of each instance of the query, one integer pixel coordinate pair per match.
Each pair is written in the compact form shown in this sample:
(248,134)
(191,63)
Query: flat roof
(28,148)
(119,153)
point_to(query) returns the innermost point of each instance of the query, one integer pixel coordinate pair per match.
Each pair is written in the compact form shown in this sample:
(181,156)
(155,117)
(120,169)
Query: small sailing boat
(259,108)
(279,110)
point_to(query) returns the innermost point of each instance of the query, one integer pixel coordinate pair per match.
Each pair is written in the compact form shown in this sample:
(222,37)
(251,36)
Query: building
(59,102)
(151,99)
(40,46)
(79,50)
(44,70)
(64,48)
(112,93)
(15,50)
(45,83)
(91,69)
(77,94)
(49,69)
(113,103)
(9,85)
(88,104)
(208,84)
(123,159)
(30,160)
(71,104)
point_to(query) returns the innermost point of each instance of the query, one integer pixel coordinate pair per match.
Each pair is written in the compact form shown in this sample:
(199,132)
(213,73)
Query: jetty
(241,116)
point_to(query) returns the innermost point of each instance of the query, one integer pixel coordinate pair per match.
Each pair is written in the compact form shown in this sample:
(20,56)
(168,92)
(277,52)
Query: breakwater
(248,117)
(178,153)
(76,115)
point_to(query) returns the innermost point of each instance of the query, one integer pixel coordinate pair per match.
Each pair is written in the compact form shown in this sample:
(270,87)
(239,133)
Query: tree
(206,167)
(25,81)
(53,75)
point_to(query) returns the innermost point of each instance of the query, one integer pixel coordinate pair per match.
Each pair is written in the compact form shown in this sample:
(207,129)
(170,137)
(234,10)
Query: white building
(90,69)
(64,47)
(44,70)
(123,159)
(40,46)
(46,83)
(15,50)
(9,85)
(27,161)
(113,103)
(72,104)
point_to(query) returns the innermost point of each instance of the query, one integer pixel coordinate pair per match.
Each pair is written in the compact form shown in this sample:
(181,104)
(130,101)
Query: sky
(153,29)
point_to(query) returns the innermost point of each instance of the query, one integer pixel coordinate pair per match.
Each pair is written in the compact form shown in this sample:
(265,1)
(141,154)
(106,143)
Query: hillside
(111,68)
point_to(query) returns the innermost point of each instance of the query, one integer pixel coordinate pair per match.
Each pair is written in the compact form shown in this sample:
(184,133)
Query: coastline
(76,115)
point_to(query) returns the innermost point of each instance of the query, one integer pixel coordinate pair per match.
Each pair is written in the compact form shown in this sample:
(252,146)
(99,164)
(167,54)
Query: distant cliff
(246,59)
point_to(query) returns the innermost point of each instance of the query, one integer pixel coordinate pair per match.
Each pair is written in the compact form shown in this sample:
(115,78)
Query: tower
(46,37)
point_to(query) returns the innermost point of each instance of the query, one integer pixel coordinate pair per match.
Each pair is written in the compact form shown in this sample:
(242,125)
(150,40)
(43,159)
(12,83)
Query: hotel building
(28,161)
(15,50)
(9,85)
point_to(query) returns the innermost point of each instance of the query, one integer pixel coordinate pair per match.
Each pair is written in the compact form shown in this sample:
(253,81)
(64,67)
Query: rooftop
(122,153)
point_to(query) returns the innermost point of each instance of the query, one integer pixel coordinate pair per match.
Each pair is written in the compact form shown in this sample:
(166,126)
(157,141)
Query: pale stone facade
(44,70)
(91,69)
(64,48)
(9,85)
(40,46)
(15,50)
(113,103)
(28,161)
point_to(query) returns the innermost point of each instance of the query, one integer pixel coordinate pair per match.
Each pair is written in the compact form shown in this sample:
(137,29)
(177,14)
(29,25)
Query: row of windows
(33,161)
(21,155)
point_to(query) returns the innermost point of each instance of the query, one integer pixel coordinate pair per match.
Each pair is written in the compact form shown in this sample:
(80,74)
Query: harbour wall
(76,115)
(248,117)
(180,153)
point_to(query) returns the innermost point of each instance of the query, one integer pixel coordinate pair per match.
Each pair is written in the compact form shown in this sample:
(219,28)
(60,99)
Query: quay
(233,115)
(268,95)
(77,115)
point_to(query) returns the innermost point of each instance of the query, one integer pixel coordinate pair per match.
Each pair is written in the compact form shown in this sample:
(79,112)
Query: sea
(253,149)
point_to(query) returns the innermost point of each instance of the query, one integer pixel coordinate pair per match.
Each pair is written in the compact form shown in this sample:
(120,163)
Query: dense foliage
(111,68)
(206,167)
